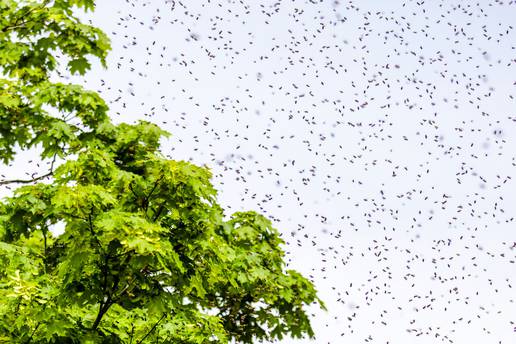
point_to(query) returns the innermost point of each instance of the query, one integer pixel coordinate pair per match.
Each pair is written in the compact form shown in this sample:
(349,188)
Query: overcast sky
(378,135)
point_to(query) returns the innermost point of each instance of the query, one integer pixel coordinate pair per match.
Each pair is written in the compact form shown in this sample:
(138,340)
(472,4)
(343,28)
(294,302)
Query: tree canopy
(146,254)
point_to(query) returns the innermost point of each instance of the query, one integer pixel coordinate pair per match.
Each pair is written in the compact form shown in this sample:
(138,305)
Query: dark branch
(26,181)
(17,24)
(103,308)
(146,199)
(92,231)
(158,212)
(152,329)
(33,332)
(108,301)
(34,179)
(132,334)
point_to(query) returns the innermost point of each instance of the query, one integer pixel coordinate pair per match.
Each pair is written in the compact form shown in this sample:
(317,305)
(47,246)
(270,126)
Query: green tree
(146,255)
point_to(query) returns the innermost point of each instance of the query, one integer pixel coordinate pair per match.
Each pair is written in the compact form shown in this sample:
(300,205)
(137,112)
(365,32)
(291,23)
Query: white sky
(381,134)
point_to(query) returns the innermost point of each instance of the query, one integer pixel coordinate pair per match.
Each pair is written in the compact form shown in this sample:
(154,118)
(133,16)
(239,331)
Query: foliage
(32,34)
(146,255)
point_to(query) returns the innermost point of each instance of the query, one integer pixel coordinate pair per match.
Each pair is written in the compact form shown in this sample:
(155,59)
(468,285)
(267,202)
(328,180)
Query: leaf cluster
(35,36)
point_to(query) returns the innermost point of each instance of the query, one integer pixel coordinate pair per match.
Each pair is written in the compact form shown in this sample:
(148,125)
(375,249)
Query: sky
(379,136)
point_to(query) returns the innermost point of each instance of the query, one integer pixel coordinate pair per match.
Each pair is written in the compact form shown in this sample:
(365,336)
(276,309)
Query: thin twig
(33,332)
(132,334)
(25,181)
(34,179)
(146,198)
(132,190)
(158,212)
(152,329)
(17,24)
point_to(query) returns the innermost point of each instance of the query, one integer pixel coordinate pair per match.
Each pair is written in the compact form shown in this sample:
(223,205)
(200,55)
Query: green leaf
(79,65)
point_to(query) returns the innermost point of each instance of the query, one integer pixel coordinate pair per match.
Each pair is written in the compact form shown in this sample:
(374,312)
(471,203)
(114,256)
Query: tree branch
(132,190)
(132,334)
(107,300)
(17,23)
(158,212)
(117,277)
(34,179)
(92,231)
(25,181)
(146,198)
(152,329)
(103,308)
(45,260)
(33,332)
(109,295)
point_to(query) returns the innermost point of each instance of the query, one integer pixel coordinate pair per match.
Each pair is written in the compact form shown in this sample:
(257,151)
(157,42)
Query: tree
(146,255)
